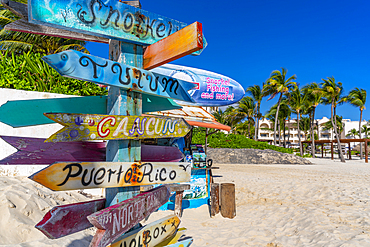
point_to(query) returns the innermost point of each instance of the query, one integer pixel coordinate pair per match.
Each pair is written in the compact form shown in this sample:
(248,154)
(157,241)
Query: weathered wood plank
(175,46)
(215,199)
(22,113)
(87,175)
(82,127)
(64,220)
(228,207)
(150,235)
(23,25)
(115,220)
(34,151)
(212,89)
(86,67)
(111,19)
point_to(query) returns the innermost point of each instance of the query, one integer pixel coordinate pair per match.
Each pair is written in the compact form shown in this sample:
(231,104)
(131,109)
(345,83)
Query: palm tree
(352,132)
(314,93)
(278,84)
(332,91)
(284,115)
(245,110)
(257,94)
(357,97)
(297,101)
(20,42)
(365,129)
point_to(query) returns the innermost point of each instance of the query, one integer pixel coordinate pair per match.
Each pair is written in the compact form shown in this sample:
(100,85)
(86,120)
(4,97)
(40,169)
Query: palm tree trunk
(299,136)
(336,133)
(359,130)
(276,117)
(312,133)
(279,133)
(249,129)
(258,119)
(256,124)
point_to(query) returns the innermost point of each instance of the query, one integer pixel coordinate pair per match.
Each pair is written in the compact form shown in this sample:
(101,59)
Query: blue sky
(249,39)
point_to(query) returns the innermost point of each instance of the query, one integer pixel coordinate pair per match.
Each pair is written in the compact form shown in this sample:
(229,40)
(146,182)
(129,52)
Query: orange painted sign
(175,46)
(87,175)
(84,127)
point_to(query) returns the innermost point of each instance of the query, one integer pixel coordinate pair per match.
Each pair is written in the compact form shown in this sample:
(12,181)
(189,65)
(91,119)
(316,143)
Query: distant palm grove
(295,100)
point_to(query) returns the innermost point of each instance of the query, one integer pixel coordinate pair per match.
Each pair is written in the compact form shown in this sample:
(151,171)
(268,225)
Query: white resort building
(266,132)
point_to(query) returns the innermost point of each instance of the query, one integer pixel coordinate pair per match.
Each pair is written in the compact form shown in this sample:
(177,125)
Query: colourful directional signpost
(83,127)
(63,220)
(150,235)
(82,66)
(115,220)
(88,175)
(116,118)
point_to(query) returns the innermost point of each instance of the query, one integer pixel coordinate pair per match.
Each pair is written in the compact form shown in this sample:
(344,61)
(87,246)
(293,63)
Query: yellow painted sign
(151,234)
(84,127)
(87,175)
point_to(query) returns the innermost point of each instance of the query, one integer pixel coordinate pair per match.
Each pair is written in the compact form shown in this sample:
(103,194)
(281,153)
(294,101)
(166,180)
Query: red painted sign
(63,220)
(115,220)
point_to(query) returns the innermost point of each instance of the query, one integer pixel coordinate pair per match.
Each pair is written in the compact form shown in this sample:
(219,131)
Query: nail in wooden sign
(88,175)
(86,67)
(150,235)
(63,220)
(115,220)
(83,127)
(175,46)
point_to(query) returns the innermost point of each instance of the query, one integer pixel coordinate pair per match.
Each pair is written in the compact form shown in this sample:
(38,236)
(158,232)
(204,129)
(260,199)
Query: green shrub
(222,140)
(29,72)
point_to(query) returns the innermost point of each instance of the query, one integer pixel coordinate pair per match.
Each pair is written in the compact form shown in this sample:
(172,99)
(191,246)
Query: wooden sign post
(83,127)
(87,175)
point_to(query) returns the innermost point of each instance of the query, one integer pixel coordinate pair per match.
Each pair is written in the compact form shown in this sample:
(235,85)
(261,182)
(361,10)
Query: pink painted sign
(115,220)
(63,220)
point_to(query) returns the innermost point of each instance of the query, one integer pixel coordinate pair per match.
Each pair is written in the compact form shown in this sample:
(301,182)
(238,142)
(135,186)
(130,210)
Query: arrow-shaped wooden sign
(86,67)
(88,175)
(115,220)
(150,235)
(110,19)
(175,46)
(21,113)
(34,151)
(182,243)
(63,220)
(83,127)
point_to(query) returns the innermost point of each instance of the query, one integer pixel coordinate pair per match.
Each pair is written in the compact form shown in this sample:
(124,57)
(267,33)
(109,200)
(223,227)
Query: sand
(323,204)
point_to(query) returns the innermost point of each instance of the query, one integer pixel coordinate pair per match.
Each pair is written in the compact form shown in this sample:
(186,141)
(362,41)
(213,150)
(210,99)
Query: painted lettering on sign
(115,220)
(85,175)
(212,89)
(150,235)
(82,127)
(82,66)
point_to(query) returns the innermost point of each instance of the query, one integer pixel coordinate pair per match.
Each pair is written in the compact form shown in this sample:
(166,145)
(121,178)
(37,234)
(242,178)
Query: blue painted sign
(85,67)
(109,18)
(211,89)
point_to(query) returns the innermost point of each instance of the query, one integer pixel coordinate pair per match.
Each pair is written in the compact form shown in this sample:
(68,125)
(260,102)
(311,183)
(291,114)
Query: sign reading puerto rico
(84,127)
(212,89)
(81,66)
(87,175)
(115,220)
(110,19)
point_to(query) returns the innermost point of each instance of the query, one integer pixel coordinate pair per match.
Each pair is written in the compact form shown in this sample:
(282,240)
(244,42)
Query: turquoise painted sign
(22,113)
(109,18)
(85,67)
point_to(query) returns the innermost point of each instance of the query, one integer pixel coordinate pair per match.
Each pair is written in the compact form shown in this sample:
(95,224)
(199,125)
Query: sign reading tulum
(85,67)
(83,127)
(87,175)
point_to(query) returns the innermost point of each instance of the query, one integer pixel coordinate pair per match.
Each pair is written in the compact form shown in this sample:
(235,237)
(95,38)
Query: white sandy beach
(323,204)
